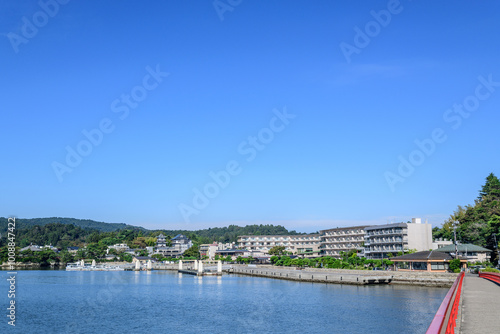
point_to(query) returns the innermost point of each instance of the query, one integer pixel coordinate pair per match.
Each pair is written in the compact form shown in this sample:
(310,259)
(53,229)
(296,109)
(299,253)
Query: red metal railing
(491,276)
(445,319)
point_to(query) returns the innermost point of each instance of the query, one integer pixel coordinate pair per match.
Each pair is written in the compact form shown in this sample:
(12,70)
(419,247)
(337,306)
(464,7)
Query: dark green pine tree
(491,189)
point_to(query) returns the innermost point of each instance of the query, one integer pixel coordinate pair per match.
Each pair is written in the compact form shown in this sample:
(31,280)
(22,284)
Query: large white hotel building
(342,239)
(297,244)
(373,242)
(383,240)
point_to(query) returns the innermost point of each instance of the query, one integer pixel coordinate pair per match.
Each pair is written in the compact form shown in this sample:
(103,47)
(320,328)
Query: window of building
(419,266)
(439,266)
(403,265)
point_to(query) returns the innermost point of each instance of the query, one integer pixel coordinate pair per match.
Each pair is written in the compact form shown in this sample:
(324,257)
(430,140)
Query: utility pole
(455,237)
(496,249)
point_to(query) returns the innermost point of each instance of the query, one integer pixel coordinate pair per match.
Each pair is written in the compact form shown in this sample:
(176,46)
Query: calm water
(166,302)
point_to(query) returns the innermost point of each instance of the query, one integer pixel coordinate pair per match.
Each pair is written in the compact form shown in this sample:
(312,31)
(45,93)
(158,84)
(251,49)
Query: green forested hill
(65,232)
(230,233)
(83,223)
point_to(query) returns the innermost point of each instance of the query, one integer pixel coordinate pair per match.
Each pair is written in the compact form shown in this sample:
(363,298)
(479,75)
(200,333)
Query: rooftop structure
(440,242)
(31,247)
(72,250)
(234,253)
(36,248)
(227,245)
(470,252)
(120,247)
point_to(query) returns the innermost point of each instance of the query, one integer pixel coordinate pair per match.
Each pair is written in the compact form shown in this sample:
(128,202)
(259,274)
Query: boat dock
(199,270)
(313,276)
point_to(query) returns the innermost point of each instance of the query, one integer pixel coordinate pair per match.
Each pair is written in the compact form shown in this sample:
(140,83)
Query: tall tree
(491,189)
(193,251)
(479,224)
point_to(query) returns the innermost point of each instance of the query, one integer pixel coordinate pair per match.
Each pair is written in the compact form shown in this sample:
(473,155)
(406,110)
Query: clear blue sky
(360,101)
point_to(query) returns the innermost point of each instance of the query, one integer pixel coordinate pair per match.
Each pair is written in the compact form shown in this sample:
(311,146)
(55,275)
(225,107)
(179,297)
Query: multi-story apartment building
(180,244)
(305,245)
(342,239)
(297,244)
(393,238)
(263,242)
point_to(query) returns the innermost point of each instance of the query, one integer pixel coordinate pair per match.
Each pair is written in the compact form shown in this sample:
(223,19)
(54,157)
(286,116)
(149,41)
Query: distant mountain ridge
(83,223)
(66,232)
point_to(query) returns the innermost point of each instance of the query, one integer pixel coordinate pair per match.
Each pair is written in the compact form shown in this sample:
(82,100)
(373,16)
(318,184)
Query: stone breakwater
(19,265)
(342,276)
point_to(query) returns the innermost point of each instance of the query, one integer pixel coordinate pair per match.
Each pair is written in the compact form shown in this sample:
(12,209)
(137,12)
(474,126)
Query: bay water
(56,301)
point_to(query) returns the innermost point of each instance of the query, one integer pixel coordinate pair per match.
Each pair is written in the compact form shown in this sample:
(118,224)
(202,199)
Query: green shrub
(455,265)
(490,270)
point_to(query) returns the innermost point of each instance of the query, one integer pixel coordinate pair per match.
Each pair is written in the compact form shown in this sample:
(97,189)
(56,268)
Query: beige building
(305,245)
(227,245)
(440,243)
(208,250)
(297,244)
(382,240)
(342,239)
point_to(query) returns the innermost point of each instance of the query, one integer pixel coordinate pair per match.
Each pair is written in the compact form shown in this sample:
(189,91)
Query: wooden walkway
(480,307)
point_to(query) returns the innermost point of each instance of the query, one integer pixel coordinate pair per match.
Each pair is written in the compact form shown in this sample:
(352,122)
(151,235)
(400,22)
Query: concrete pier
(137,266)
(200,267)
(310,276)
(444,280)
